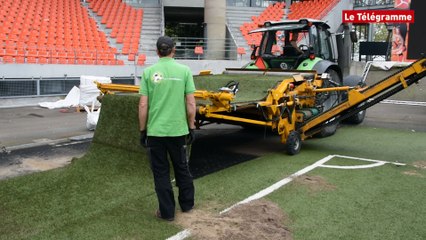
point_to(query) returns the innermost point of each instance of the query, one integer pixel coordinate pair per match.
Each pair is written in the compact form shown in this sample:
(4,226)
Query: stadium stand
(62,31)
(125,22)
(273,12)
(315,9)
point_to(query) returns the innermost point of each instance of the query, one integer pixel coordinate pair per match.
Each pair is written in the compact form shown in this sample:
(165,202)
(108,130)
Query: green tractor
(304,45)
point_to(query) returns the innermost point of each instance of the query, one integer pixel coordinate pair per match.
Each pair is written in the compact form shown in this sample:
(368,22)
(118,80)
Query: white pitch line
(369,160)
(320,163)
(186,233)
(280,183)
(180,235)
(410,103)
(378,164)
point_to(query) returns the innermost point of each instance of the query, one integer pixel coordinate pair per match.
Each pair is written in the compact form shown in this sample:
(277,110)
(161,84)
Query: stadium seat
(43,60)
(241,51)
(31,60)
(141,59)
(20,59)
(131,57)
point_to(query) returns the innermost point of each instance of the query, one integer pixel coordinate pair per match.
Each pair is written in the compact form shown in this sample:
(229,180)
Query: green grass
(251,87)
(377,203)
(109,193)
(104,195)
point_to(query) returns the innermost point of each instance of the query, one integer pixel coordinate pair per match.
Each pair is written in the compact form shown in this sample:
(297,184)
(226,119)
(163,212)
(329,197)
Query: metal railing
(185,48)
(373,3)
(36,87)
(250,3)
(143,3)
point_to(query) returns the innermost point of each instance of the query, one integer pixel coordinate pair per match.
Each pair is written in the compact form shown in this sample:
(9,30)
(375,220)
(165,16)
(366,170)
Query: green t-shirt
(166,83)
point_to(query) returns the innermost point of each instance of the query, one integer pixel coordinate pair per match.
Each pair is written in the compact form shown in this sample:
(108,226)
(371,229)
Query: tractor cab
(293,45)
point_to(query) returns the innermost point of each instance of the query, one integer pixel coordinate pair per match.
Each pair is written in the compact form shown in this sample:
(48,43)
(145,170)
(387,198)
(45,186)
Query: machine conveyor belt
(368,97)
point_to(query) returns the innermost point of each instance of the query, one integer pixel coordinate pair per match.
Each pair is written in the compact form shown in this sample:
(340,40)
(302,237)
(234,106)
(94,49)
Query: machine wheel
(327,131)
(329,100)
(356,118)
(294,143)
(354,80)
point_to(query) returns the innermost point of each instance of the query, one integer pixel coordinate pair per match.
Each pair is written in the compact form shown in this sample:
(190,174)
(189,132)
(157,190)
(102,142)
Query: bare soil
(413,173)
(33,164)
(259,219)
(420,164)
(314,183)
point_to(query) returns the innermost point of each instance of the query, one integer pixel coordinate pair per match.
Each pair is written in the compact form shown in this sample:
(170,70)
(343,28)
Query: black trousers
(158,150)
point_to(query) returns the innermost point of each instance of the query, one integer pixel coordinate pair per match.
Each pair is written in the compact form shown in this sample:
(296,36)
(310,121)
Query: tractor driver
(291,48)
(167,123)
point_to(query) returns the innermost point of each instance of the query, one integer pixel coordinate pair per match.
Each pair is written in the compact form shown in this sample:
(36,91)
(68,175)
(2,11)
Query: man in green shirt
(167,123)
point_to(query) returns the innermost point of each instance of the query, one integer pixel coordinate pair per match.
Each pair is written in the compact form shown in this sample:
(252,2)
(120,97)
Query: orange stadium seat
(141,59)
(8,59)
(20,59)
(31,60)
(241,51)
(131,57)
(43,60)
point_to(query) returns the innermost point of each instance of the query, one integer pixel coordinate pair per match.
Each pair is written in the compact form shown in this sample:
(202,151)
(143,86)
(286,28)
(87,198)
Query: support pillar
(347,46)
(215,28)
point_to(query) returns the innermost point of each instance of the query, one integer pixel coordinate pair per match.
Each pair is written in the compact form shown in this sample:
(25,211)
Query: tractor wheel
(329,100)
(294,143)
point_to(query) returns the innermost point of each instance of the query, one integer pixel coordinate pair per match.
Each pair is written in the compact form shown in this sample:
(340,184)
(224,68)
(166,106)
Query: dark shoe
(187,210)
(158,215)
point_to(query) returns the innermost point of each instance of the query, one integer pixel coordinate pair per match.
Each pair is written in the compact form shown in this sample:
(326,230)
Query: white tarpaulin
(88,89)
(388,65)
(83,95)
(71,100)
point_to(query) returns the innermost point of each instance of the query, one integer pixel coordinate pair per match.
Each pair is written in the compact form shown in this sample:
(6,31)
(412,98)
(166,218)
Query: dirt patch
(413,173)
(314,183)
(420,164)
(33,164)
(256,220)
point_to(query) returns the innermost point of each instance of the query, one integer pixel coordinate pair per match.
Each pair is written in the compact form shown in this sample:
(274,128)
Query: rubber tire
(352,81)
(330,130)
(356,118)
(327,131)
(293,143)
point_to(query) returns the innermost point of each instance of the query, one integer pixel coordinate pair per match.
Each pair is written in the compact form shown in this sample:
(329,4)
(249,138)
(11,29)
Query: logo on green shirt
(157,77)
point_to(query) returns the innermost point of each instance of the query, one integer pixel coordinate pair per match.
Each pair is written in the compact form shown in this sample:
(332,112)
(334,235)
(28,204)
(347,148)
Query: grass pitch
(109,193)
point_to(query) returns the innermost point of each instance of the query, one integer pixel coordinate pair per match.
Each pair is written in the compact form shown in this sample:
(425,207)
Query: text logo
(378,16)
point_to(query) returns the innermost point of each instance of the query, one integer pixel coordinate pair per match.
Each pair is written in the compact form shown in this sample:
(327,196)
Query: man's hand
(190,138)
(144,138)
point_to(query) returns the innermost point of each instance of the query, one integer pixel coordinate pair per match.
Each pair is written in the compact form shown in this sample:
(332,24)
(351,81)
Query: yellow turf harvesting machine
(296,105)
